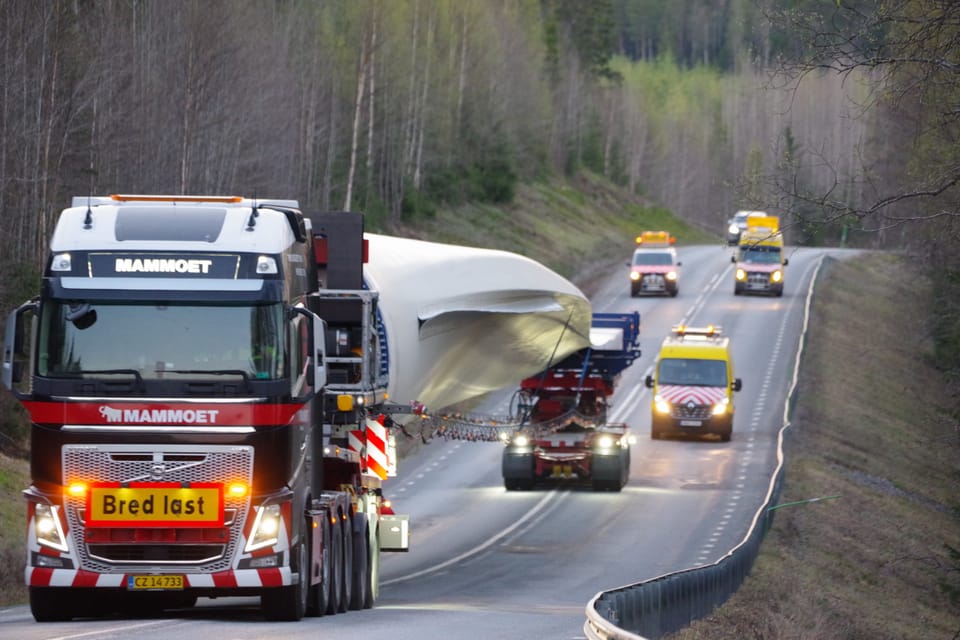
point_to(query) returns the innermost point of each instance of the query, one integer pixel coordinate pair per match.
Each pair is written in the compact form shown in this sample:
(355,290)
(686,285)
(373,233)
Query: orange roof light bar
(656,237)
(709,330)
(140,198)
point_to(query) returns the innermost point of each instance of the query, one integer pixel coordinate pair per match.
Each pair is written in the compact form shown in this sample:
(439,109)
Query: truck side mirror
(318,352)
(733,259)
(786,261)
(316,349)
(737,384)
(16,346)
(648,381)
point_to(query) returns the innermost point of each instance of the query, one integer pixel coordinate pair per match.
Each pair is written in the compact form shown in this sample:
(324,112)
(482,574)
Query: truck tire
(319,599)
(361,570)
(336,569)
(346,586)
(373,571)
(50,604)
(289,604)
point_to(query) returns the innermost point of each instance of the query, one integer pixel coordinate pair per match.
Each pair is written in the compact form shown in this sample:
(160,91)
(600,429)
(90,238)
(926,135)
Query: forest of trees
(841,115)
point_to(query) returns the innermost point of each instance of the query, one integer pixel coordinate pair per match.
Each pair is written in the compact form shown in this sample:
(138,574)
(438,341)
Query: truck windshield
(693,372)
(154,341)
(759,254)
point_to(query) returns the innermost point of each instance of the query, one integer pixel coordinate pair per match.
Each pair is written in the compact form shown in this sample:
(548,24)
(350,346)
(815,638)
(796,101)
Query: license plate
(691,423)
(155,583)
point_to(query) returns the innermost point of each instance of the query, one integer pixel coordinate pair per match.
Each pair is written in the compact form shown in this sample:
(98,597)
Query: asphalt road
(485,563)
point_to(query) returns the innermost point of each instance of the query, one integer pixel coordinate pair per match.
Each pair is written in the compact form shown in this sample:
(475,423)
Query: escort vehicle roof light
(656,238)
(710,331)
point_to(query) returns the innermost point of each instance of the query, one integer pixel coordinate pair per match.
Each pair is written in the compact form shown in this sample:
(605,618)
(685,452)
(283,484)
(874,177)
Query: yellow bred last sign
(155,504)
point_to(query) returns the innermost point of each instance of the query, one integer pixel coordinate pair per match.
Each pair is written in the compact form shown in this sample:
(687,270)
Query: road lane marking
(481,547)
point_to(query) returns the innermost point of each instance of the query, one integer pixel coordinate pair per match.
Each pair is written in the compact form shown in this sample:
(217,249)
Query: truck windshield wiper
(211,372)
(131,372)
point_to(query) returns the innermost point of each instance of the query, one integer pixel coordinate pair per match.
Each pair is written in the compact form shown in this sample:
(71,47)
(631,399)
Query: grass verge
(871,425)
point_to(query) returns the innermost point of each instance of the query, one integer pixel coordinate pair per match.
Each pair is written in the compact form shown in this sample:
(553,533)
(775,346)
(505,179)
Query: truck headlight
(266,528)
(521,441)
(46,526)
(776,276)
(605,442)
(661,405)
(671,275)
(733,229)
(741,275)
(634,275)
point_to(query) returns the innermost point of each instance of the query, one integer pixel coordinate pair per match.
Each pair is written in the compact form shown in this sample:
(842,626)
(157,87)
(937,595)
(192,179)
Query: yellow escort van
(759,258)
(693,384)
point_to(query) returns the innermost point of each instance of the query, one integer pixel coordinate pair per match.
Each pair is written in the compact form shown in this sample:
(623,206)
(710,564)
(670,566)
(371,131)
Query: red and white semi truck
(193,369)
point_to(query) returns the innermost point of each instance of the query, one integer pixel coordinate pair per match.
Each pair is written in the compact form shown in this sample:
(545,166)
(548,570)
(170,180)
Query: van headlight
(661,405)
(720,408)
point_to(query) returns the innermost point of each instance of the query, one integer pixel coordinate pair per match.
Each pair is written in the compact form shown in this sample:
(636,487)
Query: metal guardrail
(665,604)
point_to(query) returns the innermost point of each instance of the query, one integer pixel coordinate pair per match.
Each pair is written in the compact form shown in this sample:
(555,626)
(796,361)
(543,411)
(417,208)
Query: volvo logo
(156,471)
(691,404)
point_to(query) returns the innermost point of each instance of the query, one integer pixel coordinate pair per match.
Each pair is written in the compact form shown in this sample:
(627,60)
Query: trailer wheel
(289,603)
(320,593)
(361,570)
(346,586)
(336,569)
(46,606)
(373,573)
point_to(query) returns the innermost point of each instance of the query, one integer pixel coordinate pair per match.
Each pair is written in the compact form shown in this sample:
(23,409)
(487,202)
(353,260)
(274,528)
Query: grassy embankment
(872,427)
(580,230)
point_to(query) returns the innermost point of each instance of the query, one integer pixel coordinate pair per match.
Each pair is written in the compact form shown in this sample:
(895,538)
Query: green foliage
(946,323)
(491,178)
(416,204)
(591,28)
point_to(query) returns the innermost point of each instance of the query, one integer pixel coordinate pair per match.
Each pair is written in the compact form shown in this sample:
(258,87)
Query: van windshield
(157,341)
(652,258)
(760,254)
(693,372)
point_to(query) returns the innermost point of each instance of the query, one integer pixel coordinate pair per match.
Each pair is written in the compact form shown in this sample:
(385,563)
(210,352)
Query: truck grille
(173,463)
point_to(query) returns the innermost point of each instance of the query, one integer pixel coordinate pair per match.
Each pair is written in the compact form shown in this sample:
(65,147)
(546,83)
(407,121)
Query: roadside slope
(870,426)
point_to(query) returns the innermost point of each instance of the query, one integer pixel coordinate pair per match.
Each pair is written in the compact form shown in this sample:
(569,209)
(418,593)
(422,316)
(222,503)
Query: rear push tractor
(564,434)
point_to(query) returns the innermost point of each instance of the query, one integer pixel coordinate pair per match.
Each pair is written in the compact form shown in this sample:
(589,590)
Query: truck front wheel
(290,603)
(49,604)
